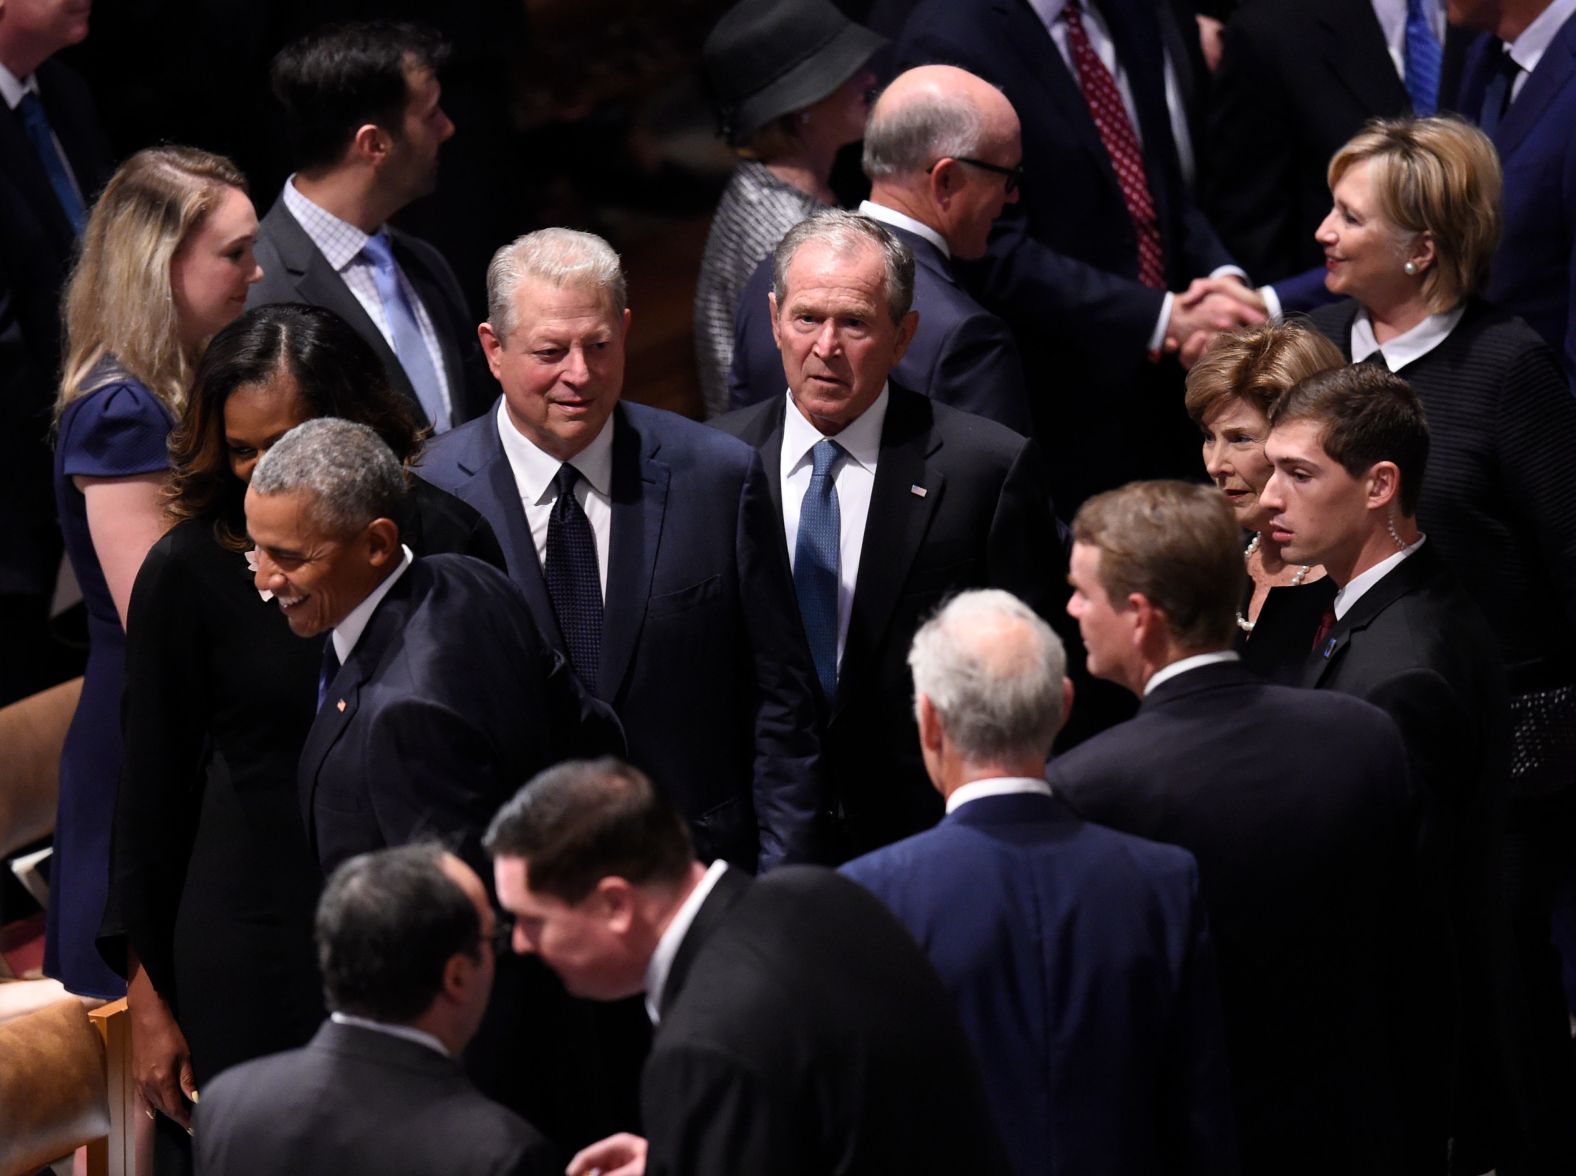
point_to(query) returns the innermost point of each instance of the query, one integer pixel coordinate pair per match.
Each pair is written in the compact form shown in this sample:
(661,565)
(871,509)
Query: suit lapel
(340,705)
(640,495)
(894,530)
(729,889)
(1414,571)
(27,173)
(1542,86)
(1354,51)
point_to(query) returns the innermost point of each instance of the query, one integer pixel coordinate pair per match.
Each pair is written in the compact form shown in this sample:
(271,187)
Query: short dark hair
(1176,543)
(1367,415)
(338,78)
(387,925)
(586,820)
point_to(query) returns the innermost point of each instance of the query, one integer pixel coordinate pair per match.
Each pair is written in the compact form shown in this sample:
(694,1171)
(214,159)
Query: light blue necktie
(408,344)
(1423,58)
(35,124)
(815,563)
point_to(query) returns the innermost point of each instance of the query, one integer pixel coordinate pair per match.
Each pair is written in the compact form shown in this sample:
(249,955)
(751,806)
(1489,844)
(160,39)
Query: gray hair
(847,232)
(918,132)
(993,670)
(558,257)
(351,474)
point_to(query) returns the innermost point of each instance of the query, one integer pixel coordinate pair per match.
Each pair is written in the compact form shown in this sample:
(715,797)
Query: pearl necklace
(1247,554)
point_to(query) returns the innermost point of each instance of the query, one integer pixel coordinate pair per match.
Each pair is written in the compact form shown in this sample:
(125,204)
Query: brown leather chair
(32,732)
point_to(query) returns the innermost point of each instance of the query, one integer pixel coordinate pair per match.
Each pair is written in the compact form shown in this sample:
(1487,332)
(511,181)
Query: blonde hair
(118,305)
(1439,176)
(1255,365)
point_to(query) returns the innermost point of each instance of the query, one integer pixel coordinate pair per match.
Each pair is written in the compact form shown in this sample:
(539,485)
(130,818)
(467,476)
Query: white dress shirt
(1409,345)
(1392,23)
(854,479)
(1358,585)
(340,243)
(534,474)
(891,216)
(1183,665)
(11,89)
(1528,49)
(997,786)
(349,630)
(419,1036)
(661,962)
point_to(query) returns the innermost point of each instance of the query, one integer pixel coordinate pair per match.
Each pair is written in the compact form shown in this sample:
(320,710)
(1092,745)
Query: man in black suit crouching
(799,1028)
(1349,448)
(405,938)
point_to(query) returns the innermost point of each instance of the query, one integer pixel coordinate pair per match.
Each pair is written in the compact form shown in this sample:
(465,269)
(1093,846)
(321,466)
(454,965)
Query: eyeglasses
(1014,174)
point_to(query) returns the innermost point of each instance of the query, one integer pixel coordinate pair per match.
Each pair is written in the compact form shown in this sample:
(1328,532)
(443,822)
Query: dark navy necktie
(815,563)
(1423,59)
(328,670)
(1496,95)
(572,579)
(35,124)
(409,346)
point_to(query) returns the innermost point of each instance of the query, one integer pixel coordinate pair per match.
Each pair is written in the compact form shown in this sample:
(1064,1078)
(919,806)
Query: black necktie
(572,579)
(1377,360)
(1496,95)
(330,667)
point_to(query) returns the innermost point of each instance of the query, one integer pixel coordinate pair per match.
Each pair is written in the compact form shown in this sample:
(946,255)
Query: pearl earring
(1410,268)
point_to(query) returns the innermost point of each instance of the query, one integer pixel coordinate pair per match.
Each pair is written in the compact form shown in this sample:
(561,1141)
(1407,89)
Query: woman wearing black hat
(789,81)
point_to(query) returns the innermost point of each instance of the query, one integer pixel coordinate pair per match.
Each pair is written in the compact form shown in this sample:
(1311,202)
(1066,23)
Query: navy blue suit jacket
(1081,965)
(961,354)
(1296,807)
(1535,266)
(703,656)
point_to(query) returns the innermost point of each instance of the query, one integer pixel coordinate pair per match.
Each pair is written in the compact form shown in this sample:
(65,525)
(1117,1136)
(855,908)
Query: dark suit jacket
(295,271)
(1062,267)
(982,521)
(1296,806)
(803,1031)
(37,243)
(961,354)
(447,704)
(1417,647)
(1080,962)
(356,1100)
(703,656)
(1297,79)
(1535,266)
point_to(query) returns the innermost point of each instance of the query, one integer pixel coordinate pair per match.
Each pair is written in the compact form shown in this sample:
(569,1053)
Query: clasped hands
(1207,307)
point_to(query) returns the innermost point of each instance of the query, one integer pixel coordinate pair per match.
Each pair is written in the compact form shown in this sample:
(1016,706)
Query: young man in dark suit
(798,1027)
(642,542)
(886,501)
(362,105)
(53,160)
(1078,957)
(1348,448)
(943,156)
(406,938)
(1327,987)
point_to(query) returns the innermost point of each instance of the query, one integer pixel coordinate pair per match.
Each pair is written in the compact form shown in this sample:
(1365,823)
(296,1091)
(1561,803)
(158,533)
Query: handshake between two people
(1207,307)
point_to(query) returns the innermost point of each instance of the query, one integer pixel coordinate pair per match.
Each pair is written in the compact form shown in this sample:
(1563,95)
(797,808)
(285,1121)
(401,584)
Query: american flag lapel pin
(917,490)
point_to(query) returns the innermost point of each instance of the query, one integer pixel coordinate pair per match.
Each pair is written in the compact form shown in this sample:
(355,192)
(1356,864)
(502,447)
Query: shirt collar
(1409,345)
(1183,665)
(997,786)
(661,962)
(535,469)
(12,87)
(419,1036)
(1354,589)
(339,241)
(349,630)
(1528,49)
(891,216)
(860,438)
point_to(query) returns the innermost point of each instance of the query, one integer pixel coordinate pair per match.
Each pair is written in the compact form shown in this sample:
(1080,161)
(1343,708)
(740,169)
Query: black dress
(212,881)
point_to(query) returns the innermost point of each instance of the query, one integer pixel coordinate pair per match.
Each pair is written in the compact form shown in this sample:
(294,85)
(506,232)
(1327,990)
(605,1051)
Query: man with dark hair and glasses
(406,941)
(943,155)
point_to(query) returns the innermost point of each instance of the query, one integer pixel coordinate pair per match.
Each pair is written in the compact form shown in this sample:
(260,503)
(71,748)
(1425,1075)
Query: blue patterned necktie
(573,583)
(328,671)
(35,124)
(408,343)
(815,564)
(1423,59)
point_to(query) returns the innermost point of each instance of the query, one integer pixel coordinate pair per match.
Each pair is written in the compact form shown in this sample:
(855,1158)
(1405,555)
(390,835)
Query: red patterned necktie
(1121,144)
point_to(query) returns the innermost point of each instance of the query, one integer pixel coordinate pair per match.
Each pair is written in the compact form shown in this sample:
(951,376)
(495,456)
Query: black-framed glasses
(1014,174)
